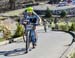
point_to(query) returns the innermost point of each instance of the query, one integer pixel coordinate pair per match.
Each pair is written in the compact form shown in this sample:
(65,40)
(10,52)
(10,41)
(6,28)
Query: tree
(48,13)
(12,4)
(63,14)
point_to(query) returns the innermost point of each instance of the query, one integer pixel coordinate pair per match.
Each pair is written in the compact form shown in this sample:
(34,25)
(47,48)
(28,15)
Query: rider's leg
(36,37)
(35,34)
(33,38)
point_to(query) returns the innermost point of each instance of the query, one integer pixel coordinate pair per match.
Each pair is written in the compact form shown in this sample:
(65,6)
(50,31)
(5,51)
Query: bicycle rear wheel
(45,28)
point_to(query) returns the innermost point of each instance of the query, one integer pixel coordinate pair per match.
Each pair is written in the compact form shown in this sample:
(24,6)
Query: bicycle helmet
(29,9)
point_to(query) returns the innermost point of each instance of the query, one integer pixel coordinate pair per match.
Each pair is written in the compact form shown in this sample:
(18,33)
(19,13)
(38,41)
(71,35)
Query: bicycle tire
(27,41)
(45,28)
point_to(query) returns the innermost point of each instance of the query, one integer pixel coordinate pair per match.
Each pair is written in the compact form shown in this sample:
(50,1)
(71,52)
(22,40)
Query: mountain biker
(44,24)
(29,15)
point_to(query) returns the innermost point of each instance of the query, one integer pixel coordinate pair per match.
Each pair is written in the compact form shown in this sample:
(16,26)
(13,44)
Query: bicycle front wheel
(27,41)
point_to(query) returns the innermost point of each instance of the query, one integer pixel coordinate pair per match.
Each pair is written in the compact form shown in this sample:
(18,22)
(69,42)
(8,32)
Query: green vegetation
(63,26)
(71,55)
(73,26)
(19,32)
(63,14)
(48,13)
(70,26)
(7,33)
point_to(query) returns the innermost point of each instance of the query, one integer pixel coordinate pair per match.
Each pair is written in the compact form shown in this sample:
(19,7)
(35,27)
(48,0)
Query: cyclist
(44,24)
(33,18)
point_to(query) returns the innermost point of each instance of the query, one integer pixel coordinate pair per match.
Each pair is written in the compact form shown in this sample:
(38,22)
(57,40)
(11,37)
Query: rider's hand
(25,23)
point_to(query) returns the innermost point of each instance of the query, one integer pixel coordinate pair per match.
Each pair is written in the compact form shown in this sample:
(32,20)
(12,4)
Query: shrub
(52,25)
(60,26)
(63,14)
(63,26)
(6,33)
(70,26)
(73,26)
(71,55)
(19,32)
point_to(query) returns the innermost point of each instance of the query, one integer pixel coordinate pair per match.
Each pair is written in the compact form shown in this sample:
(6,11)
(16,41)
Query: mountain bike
(30,36)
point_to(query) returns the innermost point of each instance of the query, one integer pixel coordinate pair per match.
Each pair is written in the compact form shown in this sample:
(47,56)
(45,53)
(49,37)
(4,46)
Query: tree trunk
(12,4)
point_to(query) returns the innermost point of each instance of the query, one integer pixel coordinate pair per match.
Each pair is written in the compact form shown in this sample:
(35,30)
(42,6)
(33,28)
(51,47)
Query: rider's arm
(23,19)
(37,17)
(37,22)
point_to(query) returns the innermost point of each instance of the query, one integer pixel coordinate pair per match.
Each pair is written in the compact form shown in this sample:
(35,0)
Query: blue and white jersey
(32,19)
